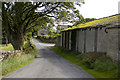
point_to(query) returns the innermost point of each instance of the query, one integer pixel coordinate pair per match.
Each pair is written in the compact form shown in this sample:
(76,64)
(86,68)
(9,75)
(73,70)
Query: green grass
(16,62)
(10,47)
(76,59)
(4,47)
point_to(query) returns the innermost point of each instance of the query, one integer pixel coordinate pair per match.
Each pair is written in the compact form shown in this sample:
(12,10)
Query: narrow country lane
(48,65)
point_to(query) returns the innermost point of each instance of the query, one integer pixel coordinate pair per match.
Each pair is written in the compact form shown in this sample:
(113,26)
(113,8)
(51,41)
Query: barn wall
(112,44)
(59,41)
(81,41)
(119,44)
(63,40)
(67,40)
(94,40)
(77,39)
(70,40)
(101,41)
(90,40)
(73,40)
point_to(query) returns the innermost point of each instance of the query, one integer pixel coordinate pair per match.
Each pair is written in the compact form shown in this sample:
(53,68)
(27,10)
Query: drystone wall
(8,54)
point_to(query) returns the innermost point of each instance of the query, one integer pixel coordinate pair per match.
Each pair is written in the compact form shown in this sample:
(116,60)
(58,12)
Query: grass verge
(99,74)
(4,47)
(16,62)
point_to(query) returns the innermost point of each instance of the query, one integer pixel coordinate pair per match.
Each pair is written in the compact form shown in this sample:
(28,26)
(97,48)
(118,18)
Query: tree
(79,20)
(19,18)
(90,19)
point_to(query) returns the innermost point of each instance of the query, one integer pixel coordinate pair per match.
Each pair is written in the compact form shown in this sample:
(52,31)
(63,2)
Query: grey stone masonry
(4,54)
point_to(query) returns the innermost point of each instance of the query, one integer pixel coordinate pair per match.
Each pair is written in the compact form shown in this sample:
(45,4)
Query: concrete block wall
(67,40)
(70,40)
(59,41)
(73,40)
(94,40)
(119,44)
(62,39)
(90,40)
(77,40)
(81,41)
(112,44)
(102,40)
(63,45)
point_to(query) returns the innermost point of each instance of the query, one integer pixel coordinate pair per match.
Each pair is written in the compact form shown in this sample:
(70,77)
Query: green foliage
(29,35)
(96,64)
(90,19)
(12,64)
(89,63)
(18,23)
(48,37)
(4,47)
(26,44)
(16,62)
(99,62)
(105,65)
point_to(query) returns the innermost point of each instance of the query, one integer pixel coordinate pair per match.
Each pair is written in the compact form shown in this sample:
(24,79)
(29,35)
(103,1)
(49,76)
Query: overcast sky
(99,8)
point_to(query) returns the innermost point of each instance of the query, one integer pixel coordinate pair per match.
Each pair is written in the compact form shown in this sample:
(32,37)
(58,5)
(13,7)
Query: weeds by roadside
(16,62)
(4,47)
(99,66)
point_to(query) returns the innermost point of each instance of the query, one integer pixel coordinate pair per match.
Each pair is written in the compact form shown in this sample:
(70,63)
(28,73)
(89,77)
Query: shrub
(89,63)
(104,64)
(97,64)
(48,37)
(89,59)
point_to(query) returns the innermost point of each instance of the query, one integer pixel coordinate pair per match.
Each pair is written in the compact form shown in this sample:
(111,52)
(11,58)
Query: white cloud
(99,8)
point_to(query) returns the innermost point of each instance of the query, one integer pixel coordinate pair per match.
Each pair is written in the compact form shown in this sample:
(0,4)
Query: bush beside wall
(47,38)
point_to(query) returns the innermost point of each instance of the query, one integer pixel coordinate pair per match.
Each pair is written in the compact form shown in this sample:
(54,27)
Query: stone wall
(7,54)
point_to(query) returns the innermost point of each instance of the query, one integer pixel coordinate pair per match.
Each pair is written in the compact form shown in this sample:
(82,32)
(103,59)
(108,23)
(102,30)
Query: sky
(99,8)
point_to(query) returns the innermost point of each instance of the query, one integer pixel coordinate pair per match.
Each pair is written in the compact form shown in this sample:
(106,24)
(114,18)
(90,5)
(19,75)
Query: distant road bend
(48,65)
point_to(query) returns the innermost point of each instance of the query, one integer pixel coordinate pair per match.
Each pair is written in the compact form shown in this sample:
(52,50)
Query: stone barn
(100,36)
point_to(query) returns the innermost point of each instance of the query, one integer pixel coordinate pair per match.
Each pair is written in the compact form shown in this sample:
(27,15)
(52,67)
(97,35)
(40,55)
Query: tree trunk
(15,36)
(6,41)
(18,41)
